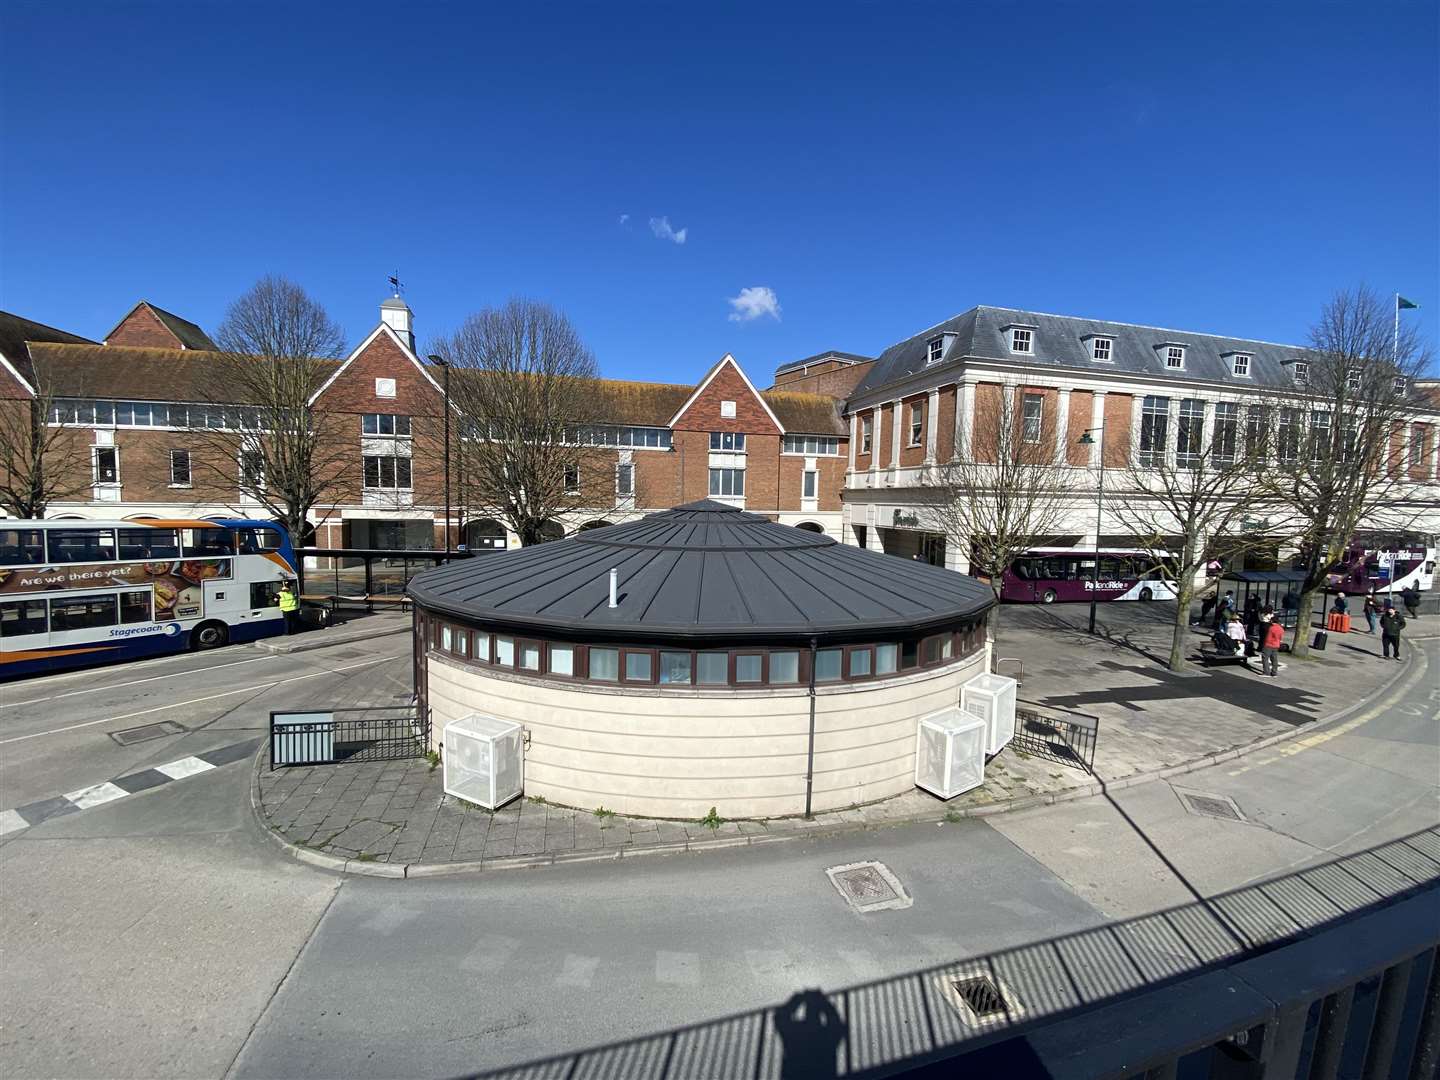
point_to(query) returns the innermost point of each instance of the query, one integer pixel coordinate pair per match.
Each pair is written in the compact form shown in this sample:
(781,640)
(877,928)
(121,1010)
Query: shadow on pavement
(880,1028)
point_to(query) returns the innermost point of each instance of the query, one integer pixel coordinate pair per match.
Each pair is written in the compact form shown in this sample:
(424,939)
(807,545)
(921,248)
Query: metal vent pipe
(614,579)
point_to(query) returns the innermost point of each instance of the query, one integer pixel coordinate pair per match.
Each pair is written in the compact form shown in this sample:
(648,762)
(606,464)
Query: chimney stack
(396,314)
(614,578)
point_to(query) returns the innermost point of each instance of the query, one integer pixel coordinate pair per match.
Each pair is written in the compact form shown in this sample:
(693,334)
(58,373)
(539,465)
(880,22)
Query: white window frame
(1038,418)
(1174,357)
(1240,365)
(737,479)
(572,489)
(1108,343)
(867,433)
(625,470)
(727,410)
(1401,384)
(810,479)
(934,350)
(811,445)
(189,469)
(384,388)
(240,467)
(95,452)
(395,419)
(1300,372)
(1029,340)
(395,473)
(915,435)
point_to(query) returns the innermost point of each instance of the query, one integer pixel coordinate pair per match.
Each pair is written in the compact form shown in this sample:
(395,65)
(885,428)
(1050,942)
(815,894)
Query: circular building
(702,656)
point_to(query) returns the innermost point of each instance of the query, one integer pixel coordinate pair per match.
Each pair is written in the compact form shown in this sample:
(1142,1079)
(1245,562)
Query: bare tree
(271,444)
(1335,465)
(1002,492)
(1193,494)
(523,391)
(43,458)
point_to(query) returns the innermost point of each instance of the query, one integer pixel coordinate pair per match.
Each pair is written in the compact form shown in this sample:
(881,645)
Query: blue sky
(876,167)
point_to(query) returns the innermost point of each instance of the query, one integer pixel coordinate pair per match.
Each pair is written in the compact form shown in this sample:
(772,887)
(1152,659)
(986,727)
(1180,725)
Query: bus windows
(82,612)
(207,543)
(21,547)
(81,545)
(149,544)
(256,541)
(19,617)
(135,606)
(264,594)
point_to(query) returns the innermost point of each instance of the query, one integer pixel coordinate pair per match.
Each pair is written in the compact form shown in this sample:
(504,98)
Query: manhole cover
(146,732)
(348,654)
(1216,806)
(979,997)
(869,886)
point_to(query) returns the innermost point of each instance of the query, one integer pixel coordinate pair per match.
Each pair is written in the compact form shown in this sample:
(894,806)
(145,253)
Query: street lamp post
(444,364)
(1086,440)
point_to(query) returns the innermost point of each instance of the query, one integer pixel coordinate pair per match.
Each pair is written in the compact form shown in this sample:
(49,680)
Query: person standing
(1235,631)
(1391,623)
(1372,608)
(290,608)
(1411,595)
(1272,633)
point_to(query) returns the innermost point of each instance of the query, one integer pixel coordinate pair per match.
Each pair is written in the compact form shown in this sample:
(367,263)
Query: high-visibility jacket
(289,601)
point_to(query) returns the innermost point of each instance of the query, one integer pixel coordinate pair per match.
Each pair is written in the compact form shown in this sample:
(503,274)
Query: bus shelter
(1270,586)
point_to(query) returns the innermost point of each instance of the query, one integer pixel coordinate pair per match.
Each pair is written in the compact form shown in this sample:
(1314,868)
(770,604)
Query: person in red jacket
(1271,635)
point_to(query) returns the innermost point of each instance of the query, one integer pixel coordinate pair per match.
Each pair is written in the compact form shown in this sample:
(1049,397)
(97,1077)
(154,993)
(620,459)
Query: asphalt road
(159,935)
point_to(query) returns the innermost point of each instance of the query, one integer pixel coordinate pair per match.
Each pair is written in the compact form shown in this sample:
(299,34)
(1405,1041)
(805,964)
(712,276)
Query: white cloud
(753,303)
(624,218)
(660,226)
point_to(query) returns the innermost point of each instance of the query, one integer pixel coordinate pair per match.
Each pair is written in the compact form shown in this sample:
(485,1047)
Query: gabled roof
(703,572)
(710,377)
(16,332)
(380,330)
(1061,341)
(833,354)
(186,332)
(130,373)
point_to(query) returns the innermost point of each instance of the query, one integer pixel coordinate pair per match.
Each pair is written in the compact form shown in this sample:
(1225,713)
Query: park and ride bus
(75,592)
(1386,565)
(1062,575)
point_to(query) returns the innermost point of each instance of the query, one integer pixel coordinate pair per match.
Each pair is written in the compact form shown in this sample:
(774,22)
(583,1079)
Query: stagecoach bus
(1058,575)
(74,593)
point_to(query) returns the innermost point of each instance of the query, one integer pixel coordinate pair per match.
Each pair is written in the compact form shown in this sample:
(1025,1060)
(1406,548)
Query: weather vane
(396,283)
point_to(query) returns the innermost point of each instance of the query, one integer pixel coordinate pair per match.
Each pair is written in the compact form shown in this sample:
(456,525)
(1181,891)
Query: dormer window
(1240,365)
(935,350)
(1021,340)
(1400,384)
(1174,357)
(1352,382)
(1300,371)
(1100,349)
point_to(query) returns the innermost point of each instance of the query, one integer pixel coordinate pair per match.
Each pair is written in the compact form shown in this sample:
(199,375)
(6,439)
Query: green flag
(1401,303)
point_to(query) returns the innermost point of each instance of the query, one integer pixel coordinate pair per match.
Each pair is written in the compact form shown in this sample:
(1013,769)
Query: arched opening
(486,534)
(810,526)
(551,530)
(595,525)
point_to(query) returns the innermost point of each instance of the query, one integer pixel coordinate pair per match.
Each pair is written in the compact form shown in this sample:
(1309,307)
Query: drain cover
(869,886)
(979,997)
(1216,806)
(348,654)
(146,732)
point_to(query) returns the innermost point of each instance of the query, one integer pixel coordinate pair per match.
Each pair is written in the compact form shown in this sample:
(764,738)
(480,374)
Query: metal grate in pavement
(146,732)
(979,998)
(869,886)
(1215,806)
(981,994)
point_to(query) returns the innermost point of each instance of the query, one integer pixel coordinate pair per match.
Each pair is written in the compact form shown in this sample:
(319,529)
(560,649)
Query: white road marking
(197,701)
(97,795)
(677,968)
(10,822)
(490,954)
(186,766)
(137,682)
(579,971)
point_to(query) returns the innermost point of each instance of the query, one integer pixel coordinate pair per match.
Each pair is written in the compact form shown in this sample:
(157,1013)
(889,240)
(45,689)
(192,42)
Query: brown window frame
(626,652)
(851,650)
(687,652)
(539,668)
(576,655)
(619,665)
(734,666)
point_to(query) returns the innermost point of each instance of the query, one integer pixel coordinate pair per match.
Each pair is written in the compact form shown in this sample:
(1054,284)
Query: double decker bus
(1386,565)
(1063,575)
(74,593)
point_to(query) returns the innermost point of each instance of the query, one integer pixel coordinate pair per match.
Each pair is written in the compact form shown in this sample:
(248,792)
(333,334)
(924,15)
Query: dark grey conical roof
(701,570)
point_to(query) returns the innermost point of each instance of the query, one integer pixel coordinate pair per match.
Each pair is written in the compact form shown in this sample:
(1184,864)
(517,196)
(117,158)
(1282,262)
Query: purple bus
(1066,575)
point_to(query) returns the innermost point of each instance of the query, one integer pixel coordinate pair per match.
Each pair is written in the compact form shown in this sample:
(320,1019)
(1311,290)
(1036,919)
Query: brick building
(137,407)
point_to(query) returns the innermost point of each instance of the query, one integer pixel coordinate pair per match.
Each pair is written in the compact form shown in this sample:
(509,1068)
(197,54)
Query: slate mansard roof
(701,572)
(1063,341)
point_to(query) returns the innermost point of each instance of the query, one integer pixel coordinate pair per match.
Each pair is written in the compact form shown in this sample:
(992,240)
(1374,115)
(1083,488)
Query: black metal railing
(333,736)
(1330,970)
(1058,735)
(368,577)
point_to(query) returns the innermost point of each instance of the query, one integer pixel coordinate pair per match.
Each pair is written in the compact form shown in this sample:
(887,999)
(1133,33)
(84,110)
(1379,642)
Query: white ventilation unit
(950,753)
(484,760)
(991,698)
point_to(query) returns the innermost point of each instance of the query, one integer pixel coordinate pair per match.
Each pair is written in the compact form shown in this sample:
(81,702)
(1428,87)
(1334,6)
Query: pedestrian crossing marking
(186,766)
(677,968)
(578,971)
(97,795)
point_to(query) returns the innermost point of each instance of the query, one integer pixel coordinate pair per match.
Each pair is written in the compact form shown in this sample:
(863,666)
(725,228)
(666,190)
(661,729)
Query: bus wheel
(1146,594)
(1049,597)
(210,635)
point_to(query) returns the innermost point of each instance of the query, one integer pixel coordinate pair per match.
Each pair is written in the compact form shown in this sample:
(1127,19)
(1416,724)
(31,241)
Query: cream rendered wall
(677,753)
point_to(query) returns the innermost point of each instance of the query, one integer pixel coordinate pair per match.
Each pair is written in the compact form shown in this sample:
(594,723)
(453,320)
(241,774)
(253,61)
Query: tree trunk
(1180,632)
(992,625)
(1300,644)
